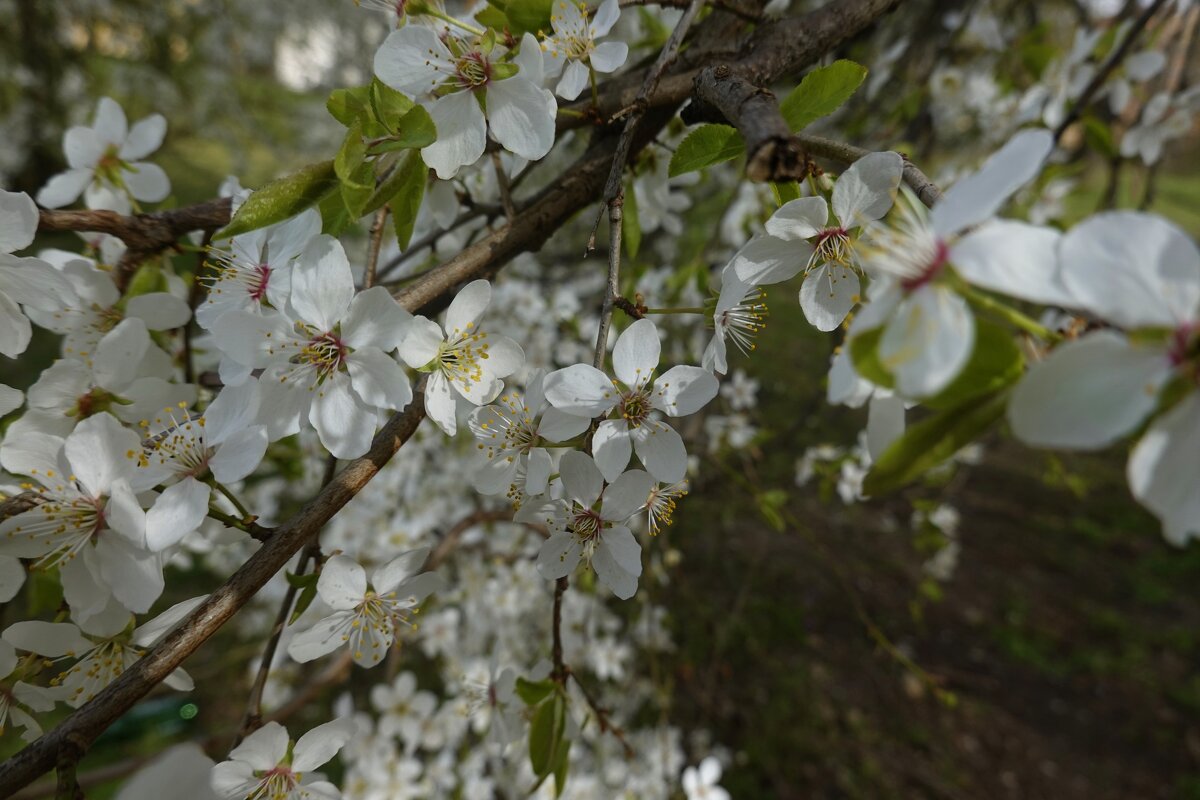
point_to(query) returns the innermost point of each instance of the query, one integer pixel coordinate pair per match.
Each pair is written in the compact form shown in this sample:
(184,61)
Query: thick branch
(772,152)
(144,235)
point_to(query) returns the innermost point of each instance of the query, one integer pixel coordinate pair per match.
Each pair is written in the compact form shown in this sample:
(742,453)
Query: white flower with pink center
(325,356)
(267,765)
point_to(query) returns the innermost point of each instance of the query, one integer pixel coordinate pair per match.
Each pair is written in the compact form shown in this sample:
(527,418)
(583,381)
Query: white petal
(322,284)
(125,515)
(100,451)
(537,471)
(377,379)
(325,636)
(156,629)
(521,117)
(144,138)
(119,354)
(146,182)
(1132,269)
(928,341)
(64,188)
(159,310)
(529,60)
(1088,393)
(12,578)
(802,218)
(413,60)
(82,147)
(580,389)
(461,131)
(606,16)
(178,511)
(609,56)
(462,317)
(399,569)
(18,221)
(684,390)
(559,555)
(846,386)
(234,409)
(134,575)
(636,354)
(865,191)
(661,450)
(440,404)
(375,319)
(581,477)
(612,447)
(573,81)
(978,197)
(344,426)
(766,259)
(612,573)
(343,583)
(827,295)
(322,743)
(421,342)
(50,639)
(1015,258)
(110,123)
(14,328)
(264,748)
(558,426)
(1162,470)
(627,495)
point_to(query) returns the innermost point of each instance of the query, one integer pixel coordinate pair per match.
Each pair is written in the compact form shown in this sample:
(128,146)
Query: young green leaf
(933,440)
(704,147)
(534,692)
(822,92)
(528,16)
(407,187)
(346,105)
(414,130)
(282,198)
(388,105)
(546,733)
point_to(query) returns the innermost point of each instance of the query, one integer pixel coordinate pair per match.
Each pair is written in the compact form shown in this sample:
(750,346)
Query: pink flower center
(1183,349)
(259,278)
(931,271)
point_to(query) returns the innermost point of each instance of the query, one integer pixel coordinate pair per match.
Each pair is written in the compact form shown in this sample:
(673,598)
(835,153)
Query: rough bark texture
(772,152)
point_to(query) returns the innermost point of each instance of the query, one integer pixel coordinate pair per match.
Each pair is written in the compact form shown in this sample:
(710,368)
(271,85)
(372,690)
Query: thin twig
(614,187)
(506,201)
(559,672)
(1106,69)
(195,295)
(376,244)
(602,718)
(926,190)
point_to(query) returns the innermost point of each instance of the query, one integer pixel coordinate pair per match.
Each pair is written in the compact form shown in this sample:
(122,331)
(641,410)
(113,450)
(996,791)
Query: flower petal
(581,477)
(928,341)
(1162,470)
(661,450)
(559,555)
(521,117)
(827,295)
(1015,258)
(866,190)
(799,219)
(636,354)
(581,389)
(684,390)
(322,284)
(462,133)
(178,511)
(612,447)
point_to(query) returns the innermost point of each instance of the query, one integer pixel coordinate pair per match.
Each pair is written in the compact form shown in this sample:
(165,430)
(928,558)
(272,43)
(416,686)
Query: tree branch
(926,190)
(772,152)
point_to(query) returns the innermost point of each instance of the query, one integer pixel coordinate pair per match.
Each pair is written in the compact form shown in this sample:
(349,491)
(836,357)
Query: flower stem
(232,498)
(449,20)
(983,302)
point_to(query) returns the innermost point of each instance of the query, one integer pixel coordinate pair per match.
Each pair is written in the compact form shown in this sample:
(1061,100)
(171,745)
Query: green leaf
(561,767)
(410,178)
(415,130)
(786,191)
(534,692)
(822,92)
(864,353)
(933,440)
(631,226)
(148,278)
(493,17)
(704,147)
(351,154)
(282,198)
(301,581)
(346,105)
(546,733)
(995,362)
(388,105)
(307,595)
(527,16)
(335,217)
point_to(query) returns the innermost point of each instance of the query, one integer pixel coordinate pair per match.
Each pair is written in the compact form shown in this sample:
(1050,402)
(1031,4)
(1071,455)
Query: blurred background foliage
(1059,660)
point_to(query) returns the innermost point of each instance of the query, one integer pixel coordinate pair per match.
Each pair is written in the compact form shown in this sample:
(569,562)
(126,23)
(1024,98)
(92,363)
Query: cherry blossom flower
(701,783)
(367,616)
(585,391)
(18,698)
(927,331)
(404,709)
(739,315)
(510,433)
(324,358)
(573,49)
(225,444)
(105,162)
(256,270)
(459,354)
(1140,273)
(862,194)
(468,92)
(588,524)
(267,764)
(885,409)
(89,523)
(103,647)
(23,281)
